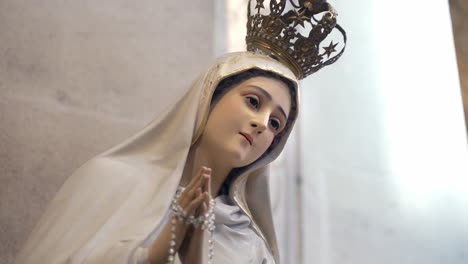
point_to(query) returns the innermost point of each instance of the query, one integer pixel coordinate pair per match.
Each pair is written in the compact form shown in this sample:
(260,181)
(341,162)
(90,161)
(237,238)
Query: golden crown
(277,34)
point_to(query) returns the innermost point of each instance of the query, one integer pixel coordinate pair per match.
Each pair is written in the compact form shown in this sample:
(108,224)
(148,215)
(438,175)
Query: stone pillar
(459,12)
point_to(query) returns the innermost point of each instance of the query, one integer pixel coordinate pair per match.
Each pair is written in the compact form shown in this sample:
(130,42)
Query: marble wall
(76,77)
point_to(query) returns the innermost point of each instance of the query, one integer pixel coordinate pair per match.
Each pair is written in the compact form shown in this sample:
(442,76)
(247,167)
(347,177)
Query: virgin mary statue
(192,186)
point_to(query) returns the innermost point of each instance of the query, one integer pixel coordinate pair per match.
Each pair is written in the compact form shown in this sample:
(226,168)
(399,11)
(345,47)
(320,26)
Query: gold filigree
(278,34)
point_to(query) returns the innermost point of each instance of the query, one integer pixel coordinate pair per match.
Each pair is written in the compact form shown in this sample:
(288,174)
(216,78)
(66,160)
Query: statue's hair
(233,80)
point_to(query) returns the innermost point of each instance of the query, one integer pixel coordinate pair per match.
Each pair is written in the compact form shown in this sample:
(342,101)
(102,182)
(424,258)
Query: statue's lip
(247,137)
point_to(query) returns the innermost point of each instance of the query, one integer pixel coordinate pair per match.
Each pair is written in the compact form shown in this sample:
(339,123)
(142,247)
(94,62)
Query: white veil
(108,207)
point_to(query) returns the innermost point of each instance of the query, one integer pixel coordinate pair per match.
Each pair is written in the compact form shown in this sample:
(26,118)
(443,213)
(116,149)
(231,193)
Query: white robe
(235,241)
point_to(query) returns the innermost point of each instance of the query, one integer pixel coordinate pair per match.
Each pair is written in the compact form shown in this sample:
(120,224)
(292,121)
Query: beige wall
(76,77)
(459,12)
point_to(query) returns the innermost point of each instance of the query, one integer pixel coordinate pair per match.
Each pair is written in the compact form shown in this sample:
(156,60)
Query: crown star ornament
(293,32)
(330,49)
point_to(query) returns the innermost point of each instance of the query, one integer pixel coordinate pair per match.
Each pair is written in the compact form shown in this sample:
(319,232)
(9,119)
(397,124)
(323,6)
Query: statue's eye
(275,124)
(253,101)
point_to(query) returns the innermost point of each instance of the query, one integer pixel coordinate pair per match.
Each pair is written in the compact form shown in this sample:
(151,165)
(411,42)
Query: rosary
(204,221)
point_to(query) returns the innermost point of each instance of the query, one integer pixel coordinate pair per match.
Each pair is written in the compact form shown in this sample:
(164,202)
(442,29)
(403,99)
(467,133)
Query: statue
(192,186)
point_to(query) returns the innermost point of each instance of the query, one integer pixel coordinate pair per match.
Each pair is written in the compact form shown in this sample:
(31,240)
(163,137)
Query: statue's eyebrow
(270,98)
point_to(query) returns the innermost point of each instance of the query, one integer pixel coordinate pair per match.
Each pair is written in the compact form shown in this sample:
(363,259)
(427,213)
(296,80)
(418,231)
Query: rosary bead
(205,221)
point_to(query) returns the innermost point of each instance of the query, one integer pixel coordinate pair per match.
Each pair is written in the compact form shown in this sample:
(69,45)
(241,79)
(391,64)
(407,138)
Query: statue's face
(245,120)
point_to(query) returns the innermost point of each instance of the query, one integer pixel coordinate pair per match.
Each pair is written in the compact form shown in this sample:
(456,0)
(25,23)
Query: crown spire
(294,33)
